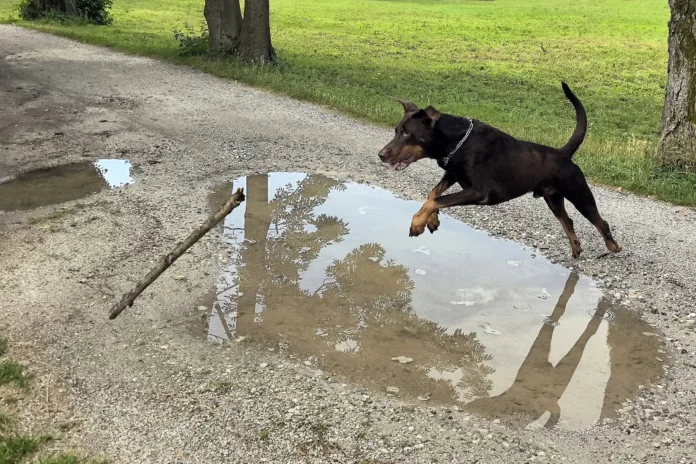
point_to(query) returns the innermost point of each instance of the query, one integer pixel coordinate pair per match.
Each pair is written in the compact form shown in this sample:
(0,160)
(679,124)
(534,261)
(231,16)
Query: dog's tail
(580,126)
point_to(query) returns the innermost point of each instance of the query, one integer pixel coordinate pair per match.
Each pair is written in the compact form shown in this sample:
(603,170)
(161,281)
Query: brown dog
(493,167)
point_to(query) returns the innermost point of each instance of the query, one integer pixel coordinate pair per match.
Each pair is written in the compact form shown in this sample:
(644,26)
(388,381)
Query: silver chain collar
(446,159)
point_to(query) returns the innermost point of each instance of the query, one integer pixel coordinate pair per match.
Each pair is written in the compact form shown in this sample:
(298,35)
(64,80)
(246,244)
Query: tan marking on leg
(604,229)
(420,219)
(433,222)
(441,187)
(556,204)
(572,238)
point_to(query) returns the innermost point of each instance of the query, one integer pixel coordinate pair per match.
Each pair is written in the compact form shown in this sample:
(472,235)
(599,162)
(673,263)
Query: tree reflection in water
(290,283)
(358,318)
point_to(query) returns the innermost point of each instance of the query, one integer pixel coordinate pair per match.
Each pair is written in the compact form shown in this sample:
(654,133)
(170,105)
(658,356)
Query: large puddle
(52,186)
(326,270)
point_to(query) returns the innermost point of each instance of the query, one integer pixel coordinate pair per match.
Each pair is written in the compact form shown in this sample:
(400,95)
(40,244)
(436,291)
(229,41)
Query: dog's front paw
(416,229)
(433,222)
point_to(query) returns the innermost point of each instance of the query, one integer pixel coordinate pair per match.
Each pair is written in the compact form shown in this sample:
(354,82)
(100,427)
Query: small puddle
(52,186)
(326,270)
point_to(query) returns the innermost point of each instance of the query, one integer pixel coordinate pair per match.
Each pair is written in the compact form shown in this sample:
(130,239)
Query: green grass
(61,459)
(69,458)
(501,61)
(12,372)
(7,424)
(14,449)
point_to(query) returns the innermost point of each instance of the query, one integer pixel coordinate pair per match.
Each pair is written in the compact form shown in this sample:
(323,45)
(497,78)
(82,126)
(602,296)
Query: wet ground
(326,270)
(63,183)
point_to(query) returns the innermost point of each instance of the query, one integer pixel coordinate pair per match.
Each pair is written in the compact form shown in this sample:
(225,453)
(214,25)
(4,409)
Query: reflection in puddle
(51,186)
(116,172)
(326,269)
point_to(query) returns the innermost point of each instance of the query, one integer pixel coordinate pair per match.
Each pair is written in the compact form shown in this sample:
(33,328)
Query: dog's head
(412,138)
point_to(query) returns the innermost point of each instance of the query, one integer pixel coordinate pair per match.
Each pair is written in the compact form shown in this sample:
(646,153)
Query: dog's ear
(433,114)
(408,106)
(424,118)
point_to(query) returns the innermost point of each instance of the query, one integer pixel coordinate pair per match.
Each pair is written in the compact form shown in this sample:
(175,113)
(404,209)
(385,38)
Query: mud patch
(326,270)
(51,186)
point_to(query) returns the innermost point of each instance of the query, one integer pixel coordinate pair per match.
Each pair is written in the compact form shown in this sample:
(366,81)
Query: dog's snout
(383,154)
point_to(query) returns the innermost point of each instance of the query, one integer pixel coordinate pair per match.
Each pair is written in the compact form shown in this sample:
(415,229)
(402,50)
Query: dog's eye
(405,133)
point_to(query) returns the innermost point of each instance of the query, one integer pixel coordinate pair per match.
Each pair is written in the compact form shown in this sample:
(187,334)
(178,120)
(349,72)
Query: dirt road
(146,389)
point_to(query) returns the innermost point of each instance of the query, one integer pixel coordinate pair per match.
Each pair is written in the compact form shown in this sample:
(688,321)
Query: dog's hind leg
(556,204)
(574,187)
(447,181)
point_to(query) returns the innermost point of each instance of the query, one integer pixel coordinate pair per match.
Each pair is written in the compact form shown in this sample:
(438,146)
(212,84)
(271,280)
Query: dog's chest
(459,171)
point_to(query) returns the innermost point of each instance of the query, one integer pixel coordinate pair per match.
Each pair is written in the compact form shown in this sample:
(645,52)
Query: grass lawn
(501,61)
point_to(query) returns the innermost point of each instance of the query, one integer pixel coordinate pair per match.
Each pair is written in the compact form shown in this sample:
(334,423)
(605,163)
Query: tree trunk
(224,18)
(213,16)
(678,140)
(255,40)
(231,25)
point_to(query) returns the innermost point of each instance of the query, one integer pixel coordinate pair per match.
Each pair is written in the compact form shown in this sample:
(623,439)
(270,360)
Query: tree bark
(213,16)
(255,39)
(678,140)
(231,25)
(224,18)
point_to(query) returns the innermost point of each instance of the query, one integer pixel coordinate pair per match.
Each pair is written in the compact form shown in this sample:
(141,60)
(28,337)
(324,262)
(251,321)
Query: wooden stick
(128,298)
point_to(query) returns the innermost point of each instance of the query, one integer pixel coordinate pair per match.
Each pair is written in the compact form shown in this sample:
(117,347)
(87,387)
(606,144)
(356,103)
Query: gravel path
(145,389)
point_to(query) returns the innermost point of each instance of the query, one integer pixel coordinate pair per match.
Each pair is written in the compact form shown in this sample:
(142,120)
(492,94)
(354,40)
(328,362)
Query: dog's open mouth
(401,165)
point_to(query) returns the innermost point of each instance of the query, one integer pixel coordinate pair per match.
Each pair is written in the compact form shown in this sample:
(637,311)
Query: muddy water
(326,270)
(51,186)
